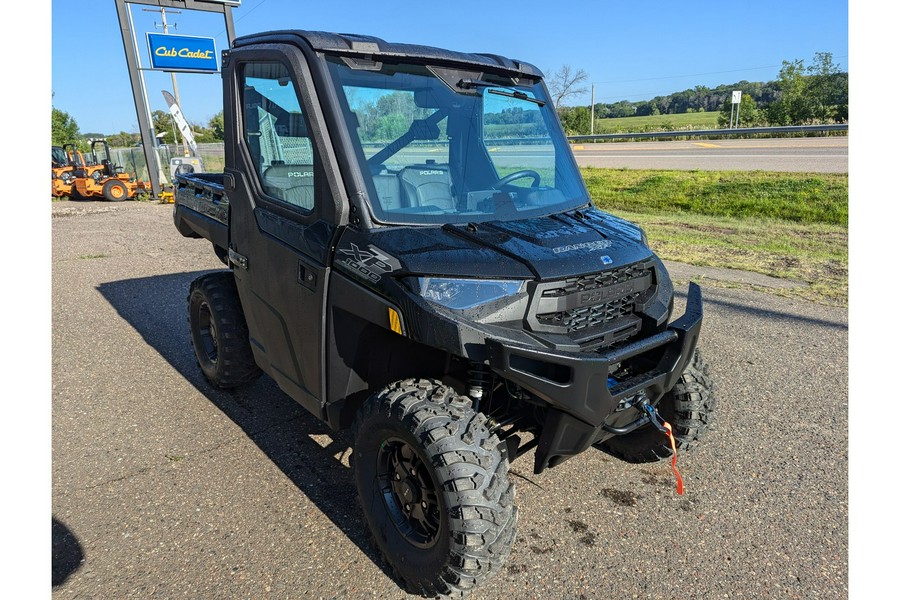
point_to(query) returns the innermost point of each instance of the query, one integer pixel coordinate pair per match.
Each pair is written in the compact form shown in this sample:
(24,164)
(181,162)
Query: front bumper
(577,385)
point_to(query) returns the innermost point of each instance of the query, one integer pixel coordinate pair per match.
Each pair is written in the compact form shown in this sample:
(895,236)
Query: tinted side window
(277,134)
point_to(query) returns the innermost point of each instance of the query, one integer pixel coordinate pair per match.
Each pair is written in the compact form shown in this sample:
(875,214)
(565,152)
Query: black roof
(368,46)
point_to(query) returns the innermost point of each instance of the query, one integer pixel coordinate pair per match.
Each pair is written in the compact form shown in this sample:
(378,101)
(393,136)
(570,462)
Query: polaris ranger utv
(412,253)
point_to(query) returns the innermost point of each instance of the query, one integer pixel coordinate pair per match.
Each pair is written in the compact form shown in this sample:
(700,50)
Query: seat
(292,183)
(427,186)
(387,186)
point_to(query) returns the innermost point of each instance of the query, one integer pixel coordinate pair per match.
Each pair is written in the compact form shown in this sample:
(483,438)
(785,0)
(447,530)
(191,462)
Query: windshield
(58,156)
(441,145)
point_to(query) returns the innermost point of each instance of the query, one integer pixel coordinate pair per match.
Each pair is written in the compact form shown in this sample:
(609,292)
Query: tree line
(64,130)
(802,94)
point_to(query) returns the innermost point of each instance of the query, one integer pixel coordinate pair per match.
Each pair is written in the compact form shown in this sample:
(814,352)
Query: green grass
(702,120)
(796,197)
(213,164)
(787,225)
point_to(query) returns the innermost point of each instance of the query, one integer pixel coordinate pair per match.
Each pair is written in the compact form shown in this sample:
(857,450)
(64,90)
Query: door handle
(306,276)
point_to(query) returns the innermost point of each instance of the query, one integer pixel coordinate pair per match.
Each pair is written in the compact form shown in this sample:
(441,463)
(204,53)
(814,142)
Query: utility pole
(165,28)
(592,109)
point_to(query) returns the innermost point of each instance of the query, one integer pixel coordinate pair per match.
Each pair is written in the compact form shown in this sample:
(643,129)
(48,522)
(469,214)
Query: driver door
(284,215)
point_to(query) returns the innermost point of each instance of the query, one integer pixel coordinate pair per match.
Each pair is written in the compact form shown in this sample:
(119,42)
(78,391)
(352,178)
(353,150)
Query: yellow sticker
(394,317)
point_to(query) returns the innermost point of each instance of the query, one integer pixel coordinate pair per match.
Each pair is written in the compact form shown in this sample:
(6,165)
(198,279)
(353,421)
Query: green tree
(622,108)
(814,94)
(217,125)
(63,128)
(794,106)
(164,124)
(576,120)
(842,97)
(389,117)
(827,89)
(123,139)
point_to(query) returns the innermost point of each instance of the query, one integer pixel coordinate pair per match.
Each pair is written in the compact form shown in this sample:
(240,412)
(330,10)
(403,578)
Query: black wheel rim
(409,493)
(209,347)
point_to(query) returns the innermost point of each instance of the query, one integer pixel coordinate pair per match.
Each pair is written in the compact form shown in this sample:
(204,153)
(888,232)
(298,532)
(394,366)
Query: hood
(562,245)
(541,248)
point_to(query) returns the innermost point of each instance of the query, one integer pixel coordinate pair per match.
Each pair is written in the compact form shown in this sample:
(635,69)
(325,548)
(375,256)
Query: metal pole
(592,109)
(229,25)
(165,28)
(737,121)
(148,135)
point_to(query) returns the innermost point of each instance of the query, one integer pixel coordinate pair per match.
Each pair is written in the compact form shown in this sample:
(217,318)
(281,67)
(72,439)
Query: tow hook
(652,414)
(666,429)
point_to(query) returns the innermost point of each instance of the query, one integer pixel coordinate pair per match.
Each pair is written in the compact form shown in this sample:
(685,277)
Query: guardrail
(710,132)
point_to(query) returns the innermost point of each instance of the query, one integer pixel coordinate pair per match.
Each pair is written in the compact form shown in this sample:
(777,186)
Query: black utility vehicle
(412,253)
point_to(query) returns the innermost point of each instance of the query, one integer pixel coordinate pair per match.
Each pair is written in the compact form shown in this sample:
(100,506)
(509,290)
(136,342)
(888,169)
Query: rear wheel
(219,331)
(434,487)
(115,191)
(688,407)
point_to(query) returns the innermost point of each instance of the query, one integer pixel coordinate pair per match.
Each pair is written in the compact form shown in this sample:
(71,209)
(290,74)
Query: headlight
(460,294)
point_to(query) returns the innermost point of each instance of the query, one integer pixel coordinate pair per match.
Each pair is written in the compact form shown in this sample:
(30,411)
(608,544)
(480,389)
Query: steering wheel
(519,175)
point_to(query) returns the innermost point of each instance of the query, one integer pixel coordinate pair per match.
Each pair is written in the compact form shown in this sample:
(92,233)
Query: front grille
(595,301)
(598,280)
(590,316)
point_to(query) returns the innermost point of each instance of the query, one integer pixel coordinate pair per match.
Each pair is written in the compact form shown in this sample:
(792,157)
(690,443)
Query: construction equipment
(64,160)
(105,179)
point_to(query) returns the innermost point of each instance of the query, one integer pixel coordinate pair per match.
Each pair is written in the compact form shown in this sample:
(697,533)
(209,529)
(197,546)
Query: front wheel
(433,486)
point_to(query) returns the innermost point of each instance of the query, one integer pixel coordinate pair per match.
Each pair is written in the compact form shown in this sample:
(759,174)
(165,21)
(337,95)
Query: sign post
(735,99)
(194,60)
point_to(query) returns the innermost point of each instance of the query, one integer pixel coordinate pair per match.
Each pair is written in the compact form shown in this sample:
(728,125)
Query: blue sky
(632,51)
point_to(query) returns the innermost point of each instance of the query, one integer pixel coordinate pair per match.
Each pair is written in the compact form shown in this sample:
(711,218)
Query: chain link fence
(133,161)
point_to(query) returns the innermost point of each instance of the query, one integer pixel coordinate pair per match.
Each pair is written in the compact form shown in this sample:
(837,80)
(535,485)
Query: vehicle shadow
(765,313)
(66,553)
(306,450)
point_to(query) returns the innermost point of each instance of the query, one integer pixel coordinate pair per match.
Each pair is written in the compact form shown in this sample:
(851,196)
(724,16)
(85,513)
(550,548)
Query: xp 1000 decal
(370,263)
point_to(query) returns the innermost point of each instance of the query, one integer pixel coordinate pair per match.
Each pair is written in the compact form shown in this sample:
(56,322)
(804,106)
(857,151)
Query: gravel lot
(164,487)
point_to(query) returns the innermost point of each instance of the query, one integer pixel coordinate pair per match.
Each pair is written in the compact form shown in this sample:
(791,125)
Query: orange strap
(680,483)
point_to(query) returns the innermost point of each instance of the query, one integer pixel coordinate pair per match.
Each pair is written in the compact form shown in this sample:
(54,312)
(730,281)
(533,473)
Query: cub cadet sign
(182,52)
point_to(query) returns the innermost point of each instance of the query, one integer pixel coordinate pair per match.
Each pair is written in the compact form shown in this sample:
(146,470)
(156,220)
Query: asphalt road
(164,487)
(808,155)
